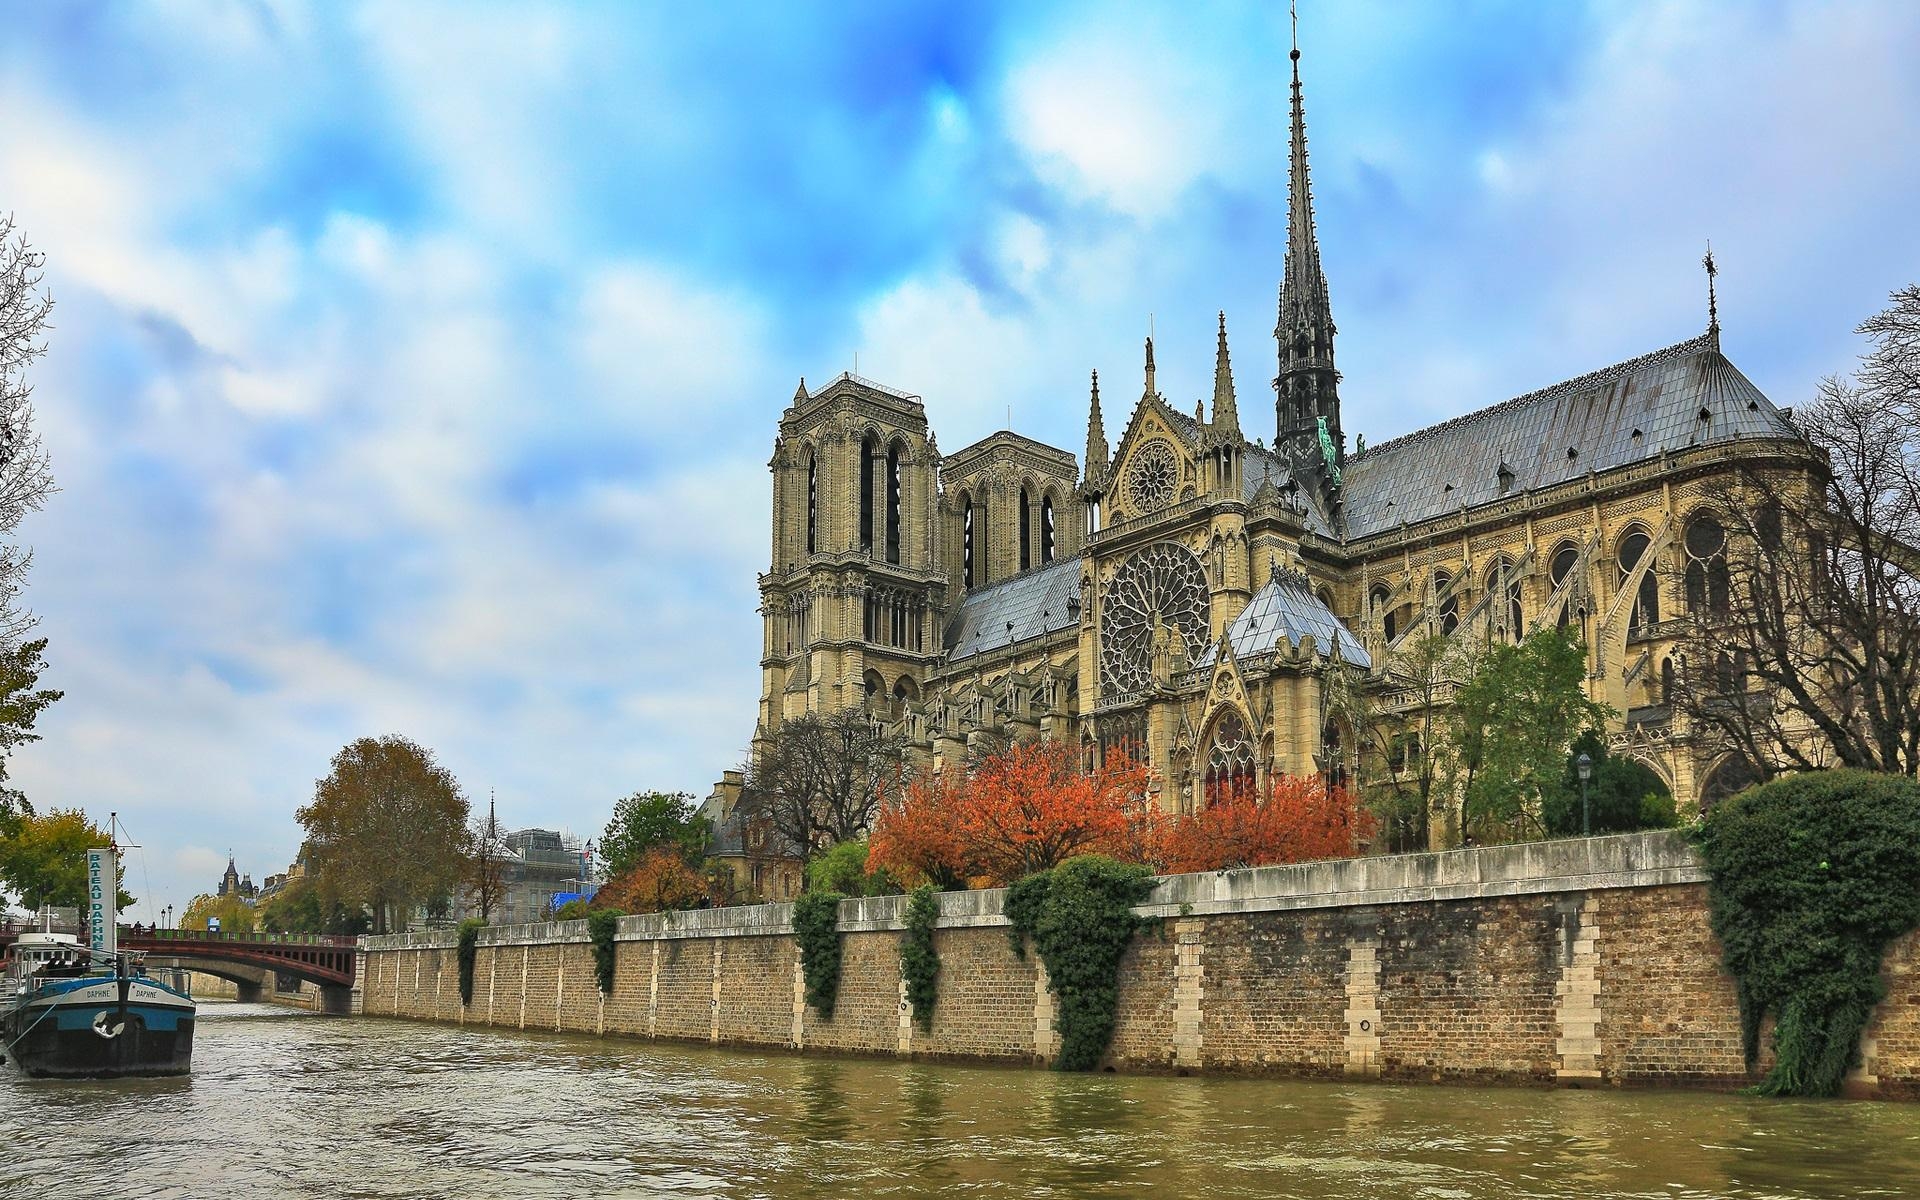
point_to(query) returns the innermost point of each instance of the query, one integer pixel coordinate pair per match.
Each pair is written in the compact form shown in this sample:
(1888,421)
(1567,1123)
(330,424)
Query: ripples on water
(286,1104)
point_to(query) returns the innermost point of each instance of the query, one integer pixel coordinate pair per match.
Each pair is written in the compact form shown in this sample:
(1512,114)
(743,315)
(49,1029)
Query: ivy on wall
(1079,916)
(469,950)
(919,962)
(602,924)
(816,926)
(1812,876)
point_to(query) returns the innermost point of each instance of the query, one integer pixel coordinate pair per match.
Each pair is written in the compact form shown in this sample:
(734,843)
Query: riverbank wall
(1580,962)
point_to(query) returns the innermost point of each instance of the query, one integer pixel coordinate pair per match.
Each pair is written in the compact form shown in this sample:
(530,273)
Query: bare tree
(26,477)
(1802,581)
(487,863)
(1399,735)
(819,779)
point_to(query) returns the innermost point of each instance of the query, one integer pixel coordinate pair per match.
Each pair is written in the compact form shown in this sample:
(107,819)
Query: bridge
(246,958)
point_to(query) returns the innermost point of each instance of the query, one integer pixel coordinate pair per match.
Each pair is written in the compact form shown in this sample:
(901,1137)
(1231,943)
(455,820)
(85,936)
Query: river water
(289,1104)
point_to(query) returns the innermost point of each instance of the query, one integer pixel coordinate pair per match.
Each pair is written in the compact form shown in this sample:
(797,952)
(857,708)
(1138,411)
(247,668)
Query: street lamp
(1583,766)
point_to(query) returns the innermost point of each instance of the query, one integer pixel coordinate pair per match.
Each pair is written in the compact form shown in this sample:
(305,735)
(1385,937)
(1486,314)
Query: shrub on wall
(602,924)
(1080,918)
(919,962)
(469,949)
(816,926)
(1812,876)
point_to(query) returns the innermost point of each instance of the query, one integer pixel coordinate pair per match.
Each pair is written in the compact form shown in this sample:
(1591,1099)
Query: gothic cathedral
(1203,597)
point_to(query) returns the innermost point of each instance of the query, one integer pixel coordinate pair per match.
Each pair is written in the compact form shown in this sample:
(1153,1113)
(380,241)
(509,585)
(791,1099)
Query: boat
(78,1010)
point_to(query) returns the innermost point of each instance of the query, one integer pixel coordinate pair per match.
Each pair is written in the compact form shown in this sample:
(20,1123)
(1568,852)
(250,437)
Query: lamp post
(1584,767)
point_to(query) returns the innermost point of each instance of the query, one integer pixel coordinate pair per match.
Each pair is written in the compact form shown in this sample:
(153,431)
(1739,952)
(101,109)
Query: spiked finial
(1713,301)
(1226,411)
(800,393)
(1096,461)
(1150,388)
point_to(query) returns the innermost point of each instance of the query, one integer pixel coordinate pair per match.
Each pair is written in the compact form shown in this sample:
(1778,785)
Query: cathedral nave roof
(1022,606)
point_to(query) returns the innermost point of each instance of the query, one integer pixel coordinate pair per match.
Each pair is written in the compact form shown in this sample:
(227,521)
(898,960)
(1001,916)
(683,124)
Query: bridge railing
(337,941)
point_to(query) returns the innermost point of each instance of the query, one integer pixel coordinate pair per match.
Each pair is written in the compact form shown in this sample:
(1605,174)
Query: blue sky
(416,366)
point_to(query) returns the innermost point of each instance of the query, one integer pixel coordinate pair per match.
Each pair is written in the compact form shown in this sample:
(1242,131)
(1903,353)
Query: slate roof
(1033,602)
(1287,607)
(1685,395)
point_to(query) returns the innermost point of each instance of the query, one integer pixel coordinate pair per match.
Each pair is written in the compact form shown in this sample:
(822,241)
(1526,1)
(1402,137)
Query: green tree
(387,829)
(1622,796)
(43,858)
(843,869)
(1511,725)
(235,914)
(300,907)
(645,820)
(20,706)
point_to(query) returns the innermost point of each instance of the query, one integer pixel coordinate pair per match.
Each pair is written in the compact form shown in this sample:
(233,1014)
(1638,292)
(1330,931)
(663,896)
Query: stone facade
(1194,592)
(1577,963)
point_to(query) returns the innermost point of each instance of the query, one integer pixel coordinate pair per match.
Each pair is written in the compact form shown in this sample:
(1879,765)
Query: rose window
(1152,478)
(1156,603)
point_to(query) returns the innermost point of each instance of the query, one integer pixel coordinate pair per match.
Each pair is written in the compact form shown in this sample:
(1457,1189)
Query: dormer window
(1506,479)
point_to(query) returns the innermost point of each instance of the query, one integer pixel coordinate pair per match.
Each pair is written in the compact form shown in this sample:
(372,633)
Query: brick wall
(1577,962)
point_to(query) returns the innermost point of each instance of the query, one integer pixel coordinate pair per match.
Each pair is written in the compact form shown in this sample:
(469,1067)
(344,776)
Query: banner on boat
(103,890)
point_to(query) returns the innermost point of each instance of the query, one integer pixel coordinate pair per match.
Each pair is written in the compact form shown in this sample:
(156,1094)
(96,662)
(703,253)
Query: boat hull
(102,1029)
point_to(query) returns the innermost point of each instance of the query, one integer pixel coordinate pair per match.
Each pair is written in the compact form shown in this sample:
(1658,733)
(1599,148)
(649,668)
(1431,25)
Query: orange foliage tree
(1025,809)
(1299,819)
(660,881)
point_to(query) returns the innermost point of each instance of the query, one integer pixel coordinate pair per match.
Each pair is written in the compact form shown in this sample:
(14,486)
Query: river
(289,1104)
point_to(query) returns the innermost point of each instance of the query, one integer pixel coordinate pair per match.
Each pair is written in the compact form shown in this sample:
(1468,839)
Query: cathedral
(1203,596)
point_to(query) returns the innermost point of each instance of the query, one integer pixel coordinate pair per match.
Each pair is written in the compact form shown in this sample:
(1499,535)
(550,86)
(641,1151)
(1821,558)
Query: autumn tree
(819,779)
(235,915)
(43,858)
(646,820)
(1028,808)
(26,476)
(1297,820)
(486,867)
(1802,580)
(917,834)
(661,881)
(387,828)
(21,702)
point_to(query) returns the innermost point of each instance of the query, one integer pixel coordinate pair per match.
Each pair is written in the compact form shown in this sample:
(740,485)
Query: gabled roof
(1672,399)
(1033,603)
(1287,608)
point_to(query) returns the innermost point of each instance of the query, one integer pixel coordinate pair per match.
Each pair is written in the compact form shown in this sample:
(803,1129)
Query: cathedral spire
(1307,383)
(1096,461)
(1226,411)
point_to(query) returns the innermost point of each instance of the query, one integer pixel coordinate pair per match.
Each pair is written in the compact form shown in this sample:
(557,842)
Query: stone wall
(1578,962)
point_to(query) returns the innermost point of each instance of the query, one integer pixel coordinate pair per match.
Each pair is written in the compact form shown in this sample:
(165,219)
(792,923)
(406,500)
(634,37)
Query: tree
(1802,643)
(1298,820)
(850,869)
(43,858)
(20,706)
(487,852)
(645,820)
(1509,729)
(917,834)
(235,914)
(819,779)
(1399,735)
(26,477)
(387,828)
(660,882)
(1025,809)
(300,907)
(1622,795)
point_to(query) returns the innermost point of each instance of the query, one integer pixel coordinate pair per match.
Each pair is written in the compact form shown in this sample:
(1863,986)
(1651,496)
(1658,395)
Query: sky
(416,366)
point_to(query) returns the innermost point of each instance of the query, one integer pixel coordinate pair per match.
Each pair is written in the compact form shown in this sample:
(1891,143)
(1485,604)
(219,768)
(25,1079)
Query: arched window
(813,503)
(1046,529)
(873,684)
(1562,566)
(1732,776)
(1379,597)
(1646,602)
(1026,530)
(1449,608)
(869,448)
(1708,585)
(893,503)
(1666,681)
(966,541)
(1229,773)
